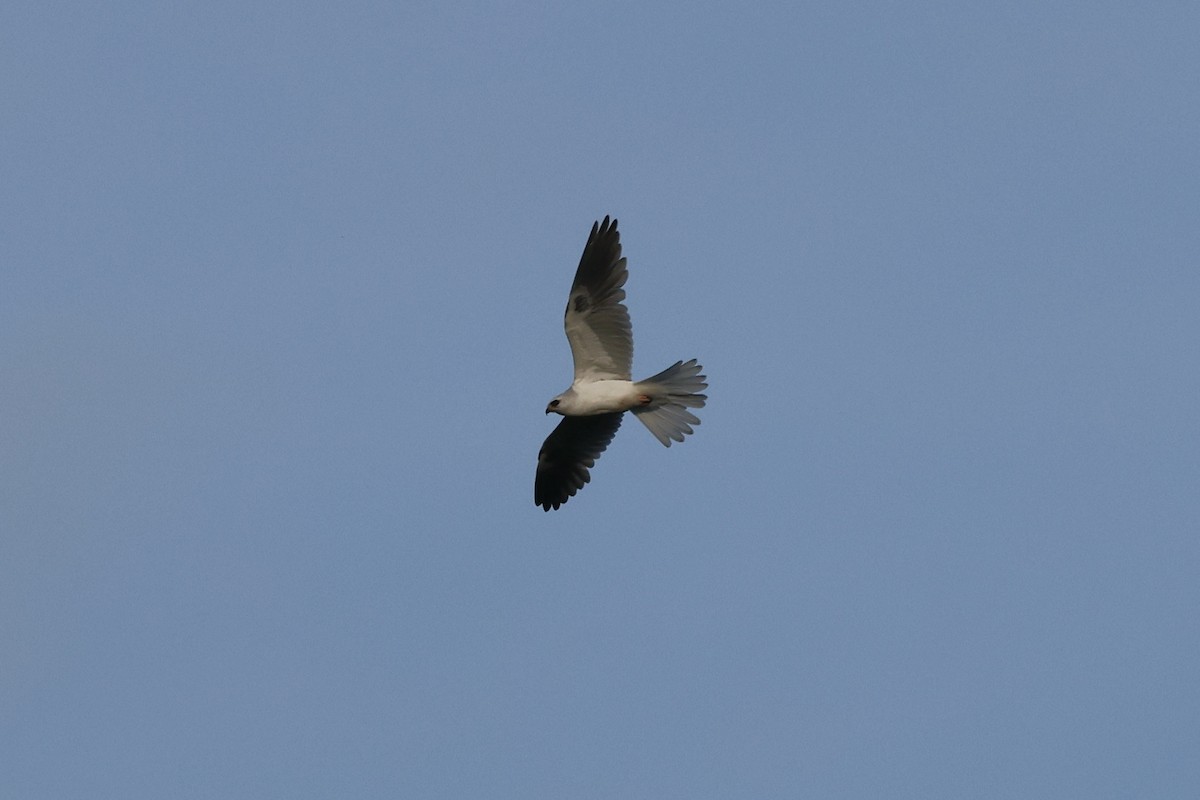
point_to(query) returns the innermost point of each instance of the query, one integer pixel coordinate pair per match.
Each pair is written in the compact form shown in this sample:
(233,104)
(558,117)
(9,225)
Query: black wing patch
(601,272)
(567,454)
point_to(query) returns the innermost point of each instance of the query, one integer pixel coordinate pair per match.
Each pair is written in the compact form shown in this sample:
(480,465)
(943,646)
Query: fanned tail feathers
(671,392)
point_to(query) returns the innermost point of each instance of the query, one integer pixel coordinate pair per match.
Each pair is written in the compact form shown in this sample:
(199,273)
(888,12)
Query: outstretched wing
(567,454)
(596,320)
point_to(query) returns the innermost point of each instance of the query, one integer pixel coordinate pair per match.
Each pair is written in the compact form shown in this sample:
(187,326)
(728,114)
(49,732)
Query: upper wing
(566,455)
(596,320)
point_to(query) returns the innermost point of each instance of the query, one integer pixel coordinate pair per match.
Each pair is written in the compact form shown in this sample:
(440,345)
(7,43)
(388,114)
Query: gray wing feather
(596,321)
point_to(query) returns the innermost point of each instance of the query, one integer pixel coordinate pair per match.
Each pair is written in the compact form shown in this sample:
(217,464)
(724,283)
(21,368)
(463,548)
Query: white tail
(671,392)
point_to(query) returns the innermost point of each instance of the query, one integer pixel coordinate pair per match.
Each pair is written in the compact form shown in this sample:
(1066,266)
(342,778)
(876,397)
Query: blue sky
(280,312)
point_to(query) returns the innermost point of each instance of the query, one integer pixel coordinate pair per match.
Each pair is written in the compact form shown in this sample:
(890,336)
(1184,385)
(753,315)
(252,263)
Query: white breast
(603,397)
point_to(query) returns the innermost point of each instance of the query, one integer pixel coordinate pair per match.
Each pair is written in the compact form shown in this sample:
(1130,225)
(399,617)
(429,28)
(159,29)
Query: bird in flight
(601,338)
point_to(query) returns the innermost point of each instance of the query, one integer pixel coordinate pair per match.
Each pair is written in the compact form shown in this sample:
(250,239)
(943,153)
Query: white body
(585,398)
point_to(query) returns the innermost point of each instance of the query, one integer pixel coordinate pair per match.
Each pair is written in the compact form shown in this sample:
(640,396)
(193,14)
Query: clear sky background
(281,288)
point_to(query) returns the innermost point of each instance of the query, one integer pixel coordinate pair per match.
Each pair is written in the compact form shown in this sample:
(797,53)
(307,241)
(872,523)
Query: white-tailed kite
(601,338)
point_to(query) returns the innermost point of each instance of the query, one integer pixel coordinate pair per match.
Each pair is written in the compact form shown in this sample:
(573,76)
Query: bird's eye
(554,404)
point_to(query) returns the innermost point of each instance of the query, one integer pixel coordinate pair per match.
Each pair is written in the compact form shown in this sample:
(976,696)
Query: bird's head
(554,405)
